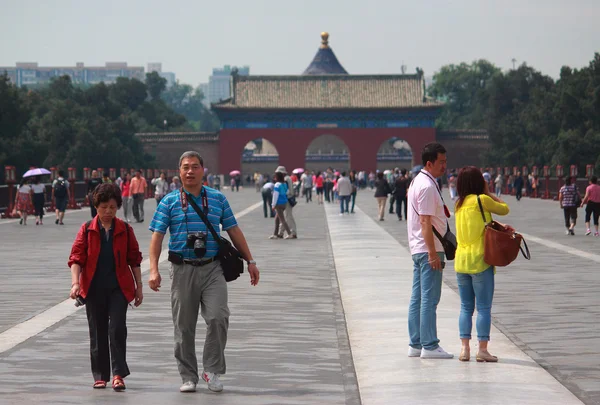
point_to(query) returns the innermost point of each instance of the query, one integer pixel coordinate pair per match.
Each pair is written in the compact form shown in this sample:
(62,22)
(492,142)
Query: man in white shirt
(426,209)
(344,188)
(267,196)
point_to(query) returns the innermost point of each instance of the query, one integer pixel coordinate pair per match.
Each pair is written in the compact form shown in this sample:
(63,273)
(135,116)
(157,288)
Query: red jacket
(126,253)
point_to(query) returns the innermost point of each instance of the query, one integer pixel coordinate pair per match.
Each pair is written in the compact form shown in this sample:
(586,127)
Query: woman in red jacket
(105,270)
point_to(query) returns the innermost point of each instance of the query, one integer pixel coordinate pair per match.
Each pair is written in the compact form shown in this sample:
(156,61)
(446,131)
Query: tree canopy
(65,125)
(530,118)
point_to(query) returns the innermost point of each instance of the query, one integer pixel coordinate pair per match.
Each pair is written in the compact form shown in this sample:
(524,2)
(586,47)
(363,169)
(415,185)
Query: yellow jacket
(469,232)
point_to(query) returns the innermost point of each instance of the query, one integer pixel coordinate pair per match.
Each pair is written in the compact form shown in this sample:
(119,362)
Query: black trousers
(570,216)
(38,203)
(107,312)
(519,193)
(392,201)
(267,196)
(399,202)
(592,209)
(308,193)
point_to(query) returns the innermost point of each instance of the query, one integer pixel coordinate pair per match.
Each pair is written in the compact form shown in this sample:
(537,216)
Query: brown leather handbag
(501,245)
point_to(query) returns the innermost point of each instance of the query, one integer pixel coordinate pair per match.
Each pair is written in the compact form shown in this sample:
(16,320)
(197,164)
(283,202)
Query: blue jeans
(426,292)
(476,289)
(344,201)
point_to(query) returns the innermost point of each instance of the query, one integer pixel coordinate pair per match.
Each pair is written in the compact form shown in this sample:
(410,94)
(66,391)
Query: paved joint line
(39,323)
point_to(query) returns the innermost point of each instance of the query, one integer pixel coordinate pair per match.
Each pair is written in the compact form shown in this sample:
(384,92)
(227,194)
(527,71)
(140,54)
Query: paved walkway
(548,306)
(288,337)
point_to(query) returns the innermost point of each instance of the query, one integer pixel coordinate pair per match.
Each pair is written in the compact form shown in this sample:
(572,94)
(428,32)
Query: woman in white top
(23,201)
(39,199)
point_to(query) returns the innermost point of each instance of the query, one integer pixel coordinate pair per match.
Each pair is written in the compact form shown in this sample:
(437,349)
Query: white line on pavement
(563,248)
(39,323)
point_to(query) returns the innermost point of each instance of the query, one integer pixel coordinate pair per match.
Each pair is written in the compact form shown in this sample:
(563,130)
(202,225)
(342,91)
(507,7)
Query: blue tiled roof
(325,63)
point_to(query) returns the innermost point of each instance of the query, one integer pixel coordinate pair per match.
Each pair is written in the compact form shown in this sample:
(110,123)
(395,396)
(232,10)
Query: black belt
(199,262)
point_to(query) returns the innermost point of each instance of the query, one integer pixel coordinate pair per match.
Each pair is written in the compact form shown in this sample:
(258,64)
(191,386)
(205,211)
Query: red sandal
(99,384)
(118,384)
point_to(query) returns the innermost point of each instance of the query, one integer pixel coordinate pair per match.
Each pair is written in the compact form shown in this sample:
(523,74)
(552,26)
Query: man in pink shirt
(426,210)
(138,192)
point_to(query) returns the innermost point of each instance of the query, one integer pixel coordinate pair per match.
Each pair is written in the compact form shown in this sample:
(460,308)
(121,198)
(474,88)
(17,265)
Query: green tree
(464,89)
(155,84)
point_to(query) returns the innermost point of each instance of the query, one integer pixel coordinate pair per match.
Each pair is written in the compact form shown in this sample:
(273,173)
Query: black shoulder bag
(230,258)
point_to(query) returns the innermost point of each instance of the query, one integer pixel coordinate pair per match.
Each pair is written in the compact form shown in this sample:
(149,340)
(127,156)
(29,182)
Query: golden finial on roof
(324,38)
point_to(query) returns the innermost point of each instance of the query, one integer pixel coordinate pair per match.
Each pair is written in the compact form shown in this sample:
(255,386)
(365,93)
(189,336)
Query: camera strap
(203,217)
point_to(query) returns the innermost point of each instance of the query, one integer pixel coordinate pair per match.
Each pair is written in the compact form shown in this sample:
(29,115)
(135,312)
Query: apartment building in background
(30,73)
(219,83)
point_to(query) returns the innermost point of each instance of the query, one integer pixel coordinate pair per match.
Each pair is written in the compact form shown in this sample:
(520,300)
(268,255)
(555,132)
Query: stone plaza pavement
(298,338)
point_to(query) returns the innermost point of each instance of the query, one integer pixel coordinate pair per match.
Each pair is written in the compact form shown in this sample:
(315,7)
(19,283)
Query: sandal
(99,384)
(118,384)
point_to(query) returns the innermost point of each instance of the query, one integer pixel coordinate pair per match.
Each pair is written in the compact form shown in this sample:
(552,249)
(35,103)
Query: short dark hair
(279,177)
(594,180)
(106,192)
(403,171)
(61,173)
(380,175)
(568,181)
(431,151)
(470,181)
(343,174)
(191,154)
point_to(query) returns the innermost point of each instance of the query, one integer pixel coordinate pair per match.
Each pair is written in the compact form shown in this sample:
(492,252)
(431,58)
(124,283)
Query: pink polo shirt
(593,192)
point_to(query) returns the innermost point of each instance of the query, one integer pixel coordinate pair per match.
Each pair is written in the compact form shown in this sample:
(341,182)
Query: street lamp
(165,125)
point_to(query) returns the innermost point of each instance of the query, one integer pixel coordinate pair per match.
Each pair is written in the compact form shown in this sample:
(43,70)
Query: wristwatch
(250,262)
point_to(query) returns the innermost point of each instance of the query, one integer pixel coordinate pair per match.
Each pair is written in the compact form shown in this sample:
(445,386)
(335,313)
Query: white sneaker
(438,353)
(412,352)
(188,386)
(214,384)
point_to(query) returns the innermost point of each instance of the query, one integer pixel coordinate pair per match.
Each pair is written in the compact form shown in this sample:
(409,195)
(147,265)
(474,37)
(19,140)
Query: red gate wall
(291,144)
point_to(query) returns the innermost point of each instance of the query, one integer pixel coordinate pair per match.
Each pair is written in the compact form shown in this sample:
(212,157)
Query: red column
(72,178)
(10,176)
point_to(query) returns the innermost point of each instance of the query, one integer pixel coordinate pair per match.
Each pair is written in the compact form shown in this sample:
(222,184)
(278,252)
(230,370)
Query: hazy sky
(282,36)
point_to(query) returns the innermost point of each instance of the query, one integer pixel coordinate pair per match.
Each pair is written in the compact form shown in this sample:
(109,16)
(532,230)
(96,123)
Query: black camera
(197,241)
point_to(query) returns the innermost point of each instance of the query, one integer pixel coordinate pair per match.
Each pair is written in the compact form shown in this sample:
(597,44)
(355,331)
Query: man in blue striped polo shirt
(196,281)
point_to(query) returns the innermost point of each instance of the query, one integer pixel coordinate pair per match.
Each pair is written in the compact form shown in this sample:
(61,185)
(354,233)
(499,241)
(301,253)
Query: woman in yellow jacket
(475,277)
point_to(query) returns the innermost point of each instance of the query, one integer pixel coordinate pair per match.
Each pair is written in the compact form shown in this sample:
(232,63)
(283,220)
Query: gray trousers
(127,207)
(203,288)
(289,218)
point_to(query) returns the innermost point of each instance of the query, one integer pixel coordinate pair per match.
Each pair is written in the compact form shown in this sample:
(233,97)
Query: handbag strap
(528,254)
(203,217)
(435,231)
(481,210)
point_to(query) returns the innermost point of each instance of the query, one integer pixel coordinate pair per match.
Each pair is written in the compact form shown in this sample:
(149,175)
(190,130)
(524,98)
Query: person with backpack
(60,194)
(106,275)
(94,182)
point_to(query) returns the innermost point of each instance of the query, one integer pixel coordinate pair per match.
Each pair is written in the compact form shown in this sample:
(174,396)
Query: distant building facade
(23,74)
(157,67)
(219,83)
(204,90)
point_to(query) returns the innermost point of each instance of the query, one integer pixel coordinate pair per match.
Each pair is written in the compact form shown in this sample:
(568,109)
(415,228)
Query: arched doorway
(258,156)
(327,151)
(394,153)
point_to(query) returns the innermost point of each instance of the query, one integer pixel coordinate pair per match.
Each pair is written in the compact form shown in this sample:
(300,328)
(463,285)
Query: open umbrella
(234,172)
(36,172)
(298,170)
(387,171)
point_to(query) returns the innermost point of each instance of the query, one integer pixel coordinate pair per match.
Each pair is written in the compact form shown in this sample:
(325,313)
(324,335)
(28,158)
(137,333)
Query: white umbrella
(36,172)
